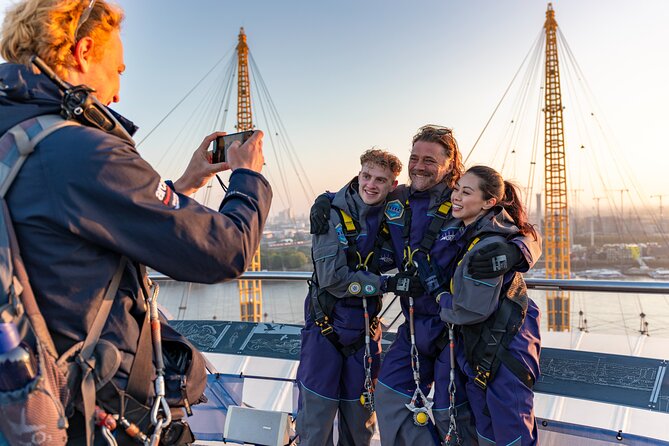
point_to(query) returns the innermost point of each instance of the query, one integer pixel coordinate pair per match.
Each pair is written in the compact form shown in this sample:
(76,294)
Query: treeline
(286,259)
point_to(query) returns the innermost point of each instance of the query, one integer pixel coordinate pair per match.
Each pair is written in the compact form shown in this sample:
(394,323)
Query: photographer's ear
(83,54)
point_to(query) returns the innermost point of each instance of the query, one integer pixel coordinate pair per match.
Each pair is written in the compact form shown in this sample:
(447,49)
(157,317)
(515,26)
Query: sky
(348,75)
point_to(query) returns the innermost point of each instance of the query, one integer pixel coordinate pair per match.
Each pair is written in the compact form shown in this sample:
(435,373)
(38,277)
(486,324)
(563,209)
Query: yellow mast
(250,291)
(556,214)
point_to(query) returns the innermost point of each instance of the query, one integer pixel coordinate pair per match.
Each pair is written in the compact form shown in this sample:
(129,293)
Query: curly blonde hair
(382,159)
(46,28)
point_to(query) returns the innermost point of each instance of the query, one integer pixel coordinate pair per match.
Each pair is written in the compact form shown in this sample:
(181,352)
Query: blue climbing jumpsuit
(396,384)
(504,411)
(331,380)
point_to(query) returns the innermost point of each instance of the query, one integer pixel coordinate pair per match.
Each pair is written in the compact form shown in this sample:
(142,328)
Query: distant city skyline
(350,75)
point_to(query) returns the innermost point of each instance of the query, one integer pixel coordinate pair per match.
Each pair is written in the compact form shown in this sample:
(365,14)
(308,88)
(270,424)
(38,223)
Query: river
(606,313)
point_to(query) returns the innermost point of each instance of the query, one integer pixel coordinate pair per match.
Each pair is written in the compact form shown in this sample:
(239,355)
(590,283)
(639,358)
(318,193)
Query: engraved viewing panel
(615,379)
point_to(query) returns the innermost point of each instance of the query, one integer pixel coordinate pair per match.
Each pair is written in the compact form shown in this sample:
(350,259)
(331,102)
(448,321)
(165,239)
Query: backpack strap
(139,379)
(15,146)
(20,141)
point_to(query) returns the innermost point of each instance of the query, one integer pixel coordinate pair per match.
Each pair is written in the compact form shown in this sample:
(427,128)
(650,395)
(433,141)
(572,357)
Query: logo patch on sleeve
(370,289)
(394,210)
(166,195)
(340,235)
(354,288)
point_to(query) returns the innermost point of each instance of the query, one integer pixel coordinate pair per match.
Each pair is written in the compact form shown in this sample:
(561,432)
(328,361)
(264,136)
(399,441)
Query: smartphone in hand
(223,143)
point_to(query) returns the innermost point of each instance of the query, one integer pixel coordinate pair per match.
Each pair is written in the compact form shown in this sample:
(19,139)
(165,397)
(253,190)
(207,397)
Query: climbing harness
(107,424)
(322,303)
(158,420)
(452,437)
(367,397)
(419,405)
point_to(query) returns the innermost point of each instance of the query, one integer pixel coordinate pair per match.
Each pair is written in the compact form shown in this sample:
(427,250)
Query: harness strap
(349,225)
(516,367)
(139,380)
(430,275)
(435,226)
(493,337)
(85,358)
(351,231)
(15,146)
(349,350)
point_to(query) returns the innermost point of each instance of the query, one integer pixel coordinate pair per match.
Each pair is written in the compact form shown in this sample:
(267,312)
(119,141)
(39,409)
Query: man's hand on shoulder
(319,216)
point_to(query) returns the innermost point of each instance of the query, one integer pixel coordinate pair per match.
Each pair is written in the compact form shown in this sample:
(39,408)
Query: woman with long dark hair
(493,323)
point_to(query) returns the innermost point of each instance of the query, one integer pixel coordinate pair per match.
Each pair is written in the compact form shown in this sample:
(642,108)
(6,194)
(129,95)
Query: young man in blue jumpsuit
(332,371)
(434,167)
(491,211)
(85,197)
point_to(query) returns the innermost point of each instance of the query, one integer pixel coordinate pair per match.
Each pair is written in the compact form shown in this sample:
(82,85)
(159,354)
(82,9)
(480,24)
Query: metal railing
(606,286)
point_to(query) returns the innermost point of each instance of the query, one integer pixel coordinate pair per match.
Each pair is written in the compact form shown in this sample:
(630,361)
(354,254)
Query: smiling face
(375,183)
(428,165)
(467,199)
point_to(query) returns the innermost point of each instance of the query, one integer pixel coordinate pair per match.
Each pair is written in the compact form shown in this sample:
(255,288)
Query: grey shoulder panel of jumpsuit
(331,264)
(473,299)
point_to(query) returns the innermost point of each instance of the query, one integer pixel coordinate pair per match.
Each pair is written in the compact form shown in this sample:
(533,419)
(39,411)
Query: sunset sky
(348,75)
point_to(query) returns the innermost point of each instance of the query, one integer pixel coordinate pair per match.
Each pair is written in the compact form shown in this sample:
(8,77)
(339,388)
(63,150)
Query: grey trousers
(315,421)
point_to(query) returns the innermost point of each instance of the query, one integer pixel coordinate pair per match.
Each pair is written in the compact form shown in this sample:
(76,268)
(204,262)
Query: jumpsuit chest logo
(448,234)
(394,210)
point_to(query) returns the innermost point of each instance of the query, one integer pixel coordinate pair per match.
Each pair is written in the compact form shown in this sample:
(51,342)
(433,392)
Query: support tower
(250,291)
(556,213)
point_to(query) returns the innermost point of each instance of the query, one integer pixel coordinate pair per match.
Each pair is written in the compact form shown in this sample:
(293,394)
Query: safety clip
(367,400)
(420,414)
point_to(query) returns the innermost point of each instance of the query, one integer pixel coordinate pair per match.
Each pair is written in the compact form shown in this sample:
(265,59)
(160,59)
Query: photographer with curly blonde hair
(87,208)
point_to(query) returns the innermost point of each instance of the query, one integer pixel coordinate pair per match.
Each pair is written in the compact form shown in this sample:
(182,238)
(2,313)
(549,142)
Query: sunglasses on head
(84,16)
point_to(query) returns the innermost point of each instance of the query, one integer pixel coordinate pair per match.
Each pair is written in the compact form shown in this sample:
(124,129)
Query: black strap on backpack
(139,381)
(85,358)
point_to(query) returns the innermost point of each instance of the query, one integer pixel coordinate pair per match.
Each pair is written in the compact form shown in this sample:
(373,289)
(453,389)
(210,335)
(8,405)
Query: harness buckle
(326,329)
(373,325)
(482,377)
